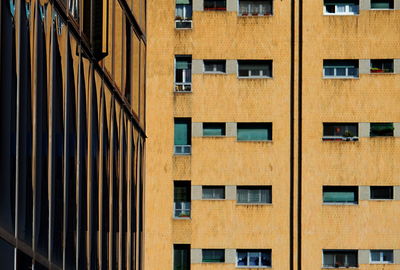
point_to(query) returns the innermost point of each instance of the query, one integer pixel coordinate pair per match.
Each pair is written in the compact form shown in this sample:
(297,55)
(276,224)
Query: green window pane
(252,134)
(381,5)
(381,129)
(182,64)
(339,196)
(213,129)
(182,132)
(213,255)
(182,2)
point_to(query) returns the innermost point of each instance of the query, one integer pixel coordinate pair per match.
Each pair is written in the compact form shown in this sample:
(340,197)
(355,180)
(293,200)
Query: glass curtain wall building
(72,113)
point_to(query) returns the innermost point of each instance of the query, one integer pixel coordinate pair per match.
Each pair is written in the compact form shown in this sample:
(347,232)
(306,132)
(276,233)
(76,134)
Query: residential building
(72,123)
(272,131)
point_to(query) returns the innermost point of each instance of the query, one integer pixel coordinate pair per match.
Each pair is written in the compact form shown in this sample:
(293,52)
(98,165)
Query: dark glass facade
(72,140)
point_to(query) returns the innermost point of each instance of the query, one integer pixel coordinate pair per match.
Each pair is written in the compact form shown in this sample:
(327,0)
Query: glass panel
(381,192)
(213,129)
(213,192)
(181,133)
(342,130)
(329,71)
(266,258)
(253,132)
(255,68)
(182,64)
(339,196)
(387,256)
(181,257)
(182,2)
(351,259)
(375,256)
(254,258)
(381,129)
(241,258)
(213,255)
(328,260)
(181,191)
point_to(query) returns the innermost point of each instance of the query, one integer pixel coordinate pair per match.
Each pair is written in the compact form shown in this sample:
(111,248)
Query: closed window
(381,129)
(340,131)
(183,14)
(341,68)
(181,257)
(341,7)
(182,199)
(255,68)
(218,5)
(213,192)
(340,194)
(182,136)
(183,73)
(214,66)
(254,131)
(253,258)
(255,8)
(340,258)
(381,256)
(381,65)
(213,255)
(382,4)
(254,194)
(213,129)
(381,192)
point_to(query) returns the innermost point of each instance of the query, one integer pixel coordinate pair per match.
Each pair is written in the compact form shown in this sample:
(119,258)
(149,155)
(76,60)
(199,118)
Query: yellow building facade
(290,131)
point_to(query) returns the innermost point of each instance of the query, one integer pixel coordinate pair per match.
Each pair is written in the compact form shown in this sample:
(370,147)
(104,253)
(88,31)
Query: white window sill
(180,218)
(382,9)
(182,91)
(207,199)
(214,136)
(262,204)
(251,15)
(381,262)
(254,77)
(340,139)
(340,77)
(267,141)
(381,200)
(331,267)
(341,14)
(252,266)
(214,72)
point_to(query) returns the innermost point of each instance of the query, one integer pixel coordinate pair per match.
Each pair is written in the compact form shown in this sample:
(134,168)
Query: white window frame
(347,76)
(381,261)
(185,207)
(347,10)
(248,258)
(184,84)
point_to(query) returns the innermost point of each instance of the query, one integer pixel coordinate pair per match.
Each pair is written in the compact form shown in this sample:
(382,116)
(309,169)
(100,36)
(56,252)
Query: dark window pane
(181,257)
(381,129)
(213,255)
(381,192)
(6,255)
(341,129)
(213,192)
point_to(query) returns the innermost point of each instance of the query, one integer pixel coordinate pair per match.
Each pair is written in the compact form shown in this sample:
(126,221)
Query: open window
(216,5)
(381,65)
(183,73)
(340,132)
(183,14)
(341,7)
(255,8)
(182,199)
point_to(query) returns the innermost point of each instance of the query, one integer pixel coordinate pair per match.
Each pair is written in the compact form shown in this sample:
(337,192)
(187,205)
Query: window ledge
(266,141)
(254,77)
(261,204)
(334,138)
(251,267)
(381,200)
(335,204)
(384,9)
(333,14)
(214,73)
(213,199)
(180,218)
(381,262)
(214,136)
(328,267)
(253,16)
(341,78)
(184,92)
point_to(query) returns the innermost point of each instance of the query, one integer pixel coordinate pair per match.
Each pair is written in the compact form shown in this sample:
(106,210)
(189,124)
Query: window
(183,14)
(381,65)
(254,194)
(183,73)
(340,194)
(182,199)
(182,136)
(253,257)
(214,66)
(255,68)
(213,129)
(340,131)
(381,129)
(215,5)
(213,192)
(181,257)
(382,4)
(381,192)
(213,255)
(255,8)
(341,7)
(341,68)
(381,256)
(340,258)
(254,131)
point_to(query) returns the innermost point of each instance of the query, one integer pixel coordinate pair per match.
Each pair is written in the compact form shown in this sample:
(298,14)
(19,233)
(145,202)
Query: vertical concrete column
(196,193)
(396,4)
(232,5)
(363,193)
(365,4)
(364,66)
(197,66)
(231,66)
(396,194)
(230,193)
(198,5)
(396,62)
(195,255)
(363,256)
(363,130)
(231,129)
(396,131)
(197,129)
(230,255)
